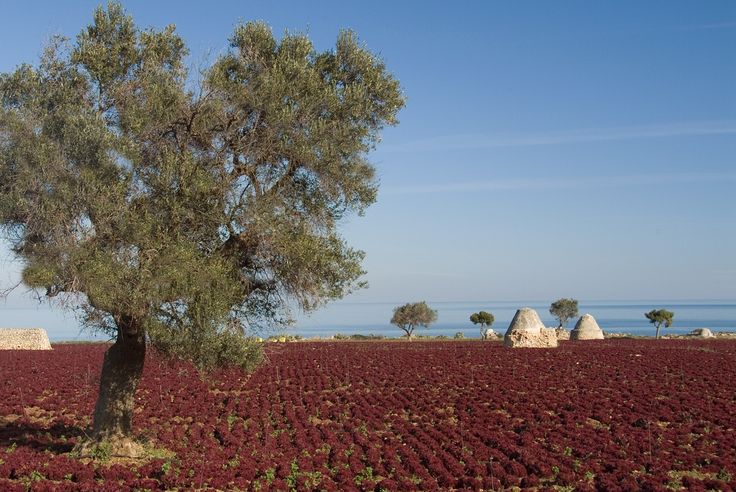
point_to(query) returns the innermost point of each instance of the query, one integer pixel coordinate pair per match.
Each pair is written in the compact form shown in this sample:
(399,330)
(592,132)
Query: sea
(453,317)
(366,318)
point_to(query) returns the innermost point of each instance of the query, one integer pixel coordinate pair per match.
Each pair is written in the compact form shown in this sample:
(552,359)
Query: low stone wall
(546,338)
(701,333)
(24,339)
(562,334)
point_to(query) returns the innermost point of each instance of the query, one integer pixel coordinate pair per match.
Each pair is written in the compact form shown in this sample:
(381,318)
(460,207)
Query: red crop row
(608,415)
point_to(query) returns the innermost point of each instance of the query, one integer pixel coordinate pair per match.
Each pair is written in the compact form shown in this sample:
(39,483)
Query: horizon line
(680,300)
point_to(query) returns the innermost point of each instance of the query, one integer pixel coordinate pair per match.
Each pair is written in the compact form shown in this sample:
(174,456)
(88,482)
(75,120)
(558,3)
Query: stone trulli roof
(527,330)
(586,329)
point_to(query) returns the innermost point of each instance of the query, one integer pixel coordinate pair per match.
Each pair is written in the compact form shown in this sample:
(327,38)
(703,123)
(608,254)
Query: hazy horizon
(373,318)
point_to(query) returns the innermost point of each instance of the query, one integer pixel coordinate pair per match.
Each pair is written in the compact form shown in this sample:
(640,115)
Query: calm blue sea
(612,316)
(373,318)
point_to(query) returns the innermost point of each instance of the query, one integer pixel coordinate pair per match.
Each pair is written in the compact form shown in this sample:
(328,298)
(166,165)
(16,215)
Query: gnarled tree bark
(121,372)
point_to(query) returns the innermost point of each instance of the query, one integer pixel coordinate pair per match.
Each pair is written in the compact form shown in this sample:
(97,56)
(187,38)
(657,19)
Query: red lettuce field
(614,414)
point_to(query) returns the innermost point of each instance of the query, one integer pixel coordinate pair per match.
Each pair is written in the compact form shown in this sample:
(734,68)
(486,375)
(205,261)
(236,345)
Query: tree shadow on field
(57,438)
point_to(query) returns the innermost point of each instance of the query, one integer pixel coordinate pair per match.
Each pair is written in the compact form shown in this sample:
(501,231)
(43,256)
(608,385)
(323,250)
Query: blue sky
(547,149)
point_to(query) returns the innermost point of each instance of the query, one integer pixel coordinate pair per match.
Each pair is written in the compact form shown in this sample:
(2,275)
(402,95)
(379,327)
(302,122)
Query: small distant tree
(411,315)
(485,320)
(659,317)
(459,335)
(564,310)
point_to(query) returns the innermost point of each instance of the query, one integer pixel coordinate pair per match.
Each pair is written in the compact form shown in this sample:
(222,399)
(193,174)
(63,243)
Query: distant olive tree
(659,317)
(411,315)
(485,320)
(564,310)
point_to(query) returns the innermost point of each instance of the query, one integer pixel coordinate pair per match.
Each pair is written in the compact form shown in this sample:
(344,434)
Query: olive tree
(564,310)
(411,315)
(659,317)
(181,212)
(485,320)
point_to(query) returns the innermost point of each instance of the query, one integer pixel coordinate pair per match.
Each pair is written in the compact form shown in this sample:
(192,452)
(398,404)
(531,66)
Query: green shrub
(371,336)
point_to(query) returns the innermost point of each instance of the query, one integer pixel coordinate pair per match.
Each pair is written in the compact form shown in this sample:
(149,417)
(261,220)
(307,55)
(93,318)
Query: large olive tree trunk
(121,373)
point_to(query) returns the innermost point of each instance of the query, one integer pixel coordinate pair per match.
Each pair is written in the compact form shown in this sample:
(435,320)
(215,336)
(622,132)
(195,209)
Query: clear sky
(547,149)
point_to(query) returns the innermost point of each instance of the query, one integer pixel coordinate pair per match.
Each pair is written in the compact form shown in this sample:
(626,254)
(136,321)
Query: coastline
(717,336)
(366,318)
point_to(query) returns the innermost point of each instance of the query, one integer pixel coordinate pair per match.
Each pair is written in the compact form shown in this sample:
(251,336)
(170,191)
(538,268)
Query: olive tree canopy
(659,317)
(409,316)
(485,320)
(564,310)
(184,215)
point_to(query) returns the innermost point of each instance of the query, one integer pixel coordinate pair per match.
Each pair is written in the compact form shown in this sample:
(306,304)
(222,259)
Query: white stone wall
(24,339)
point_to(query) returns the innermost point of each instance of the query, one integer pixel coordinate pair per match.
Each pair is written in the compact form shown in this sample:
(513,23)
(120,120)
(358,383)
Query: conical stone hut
(527,330)
(24,339)
(586,329)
